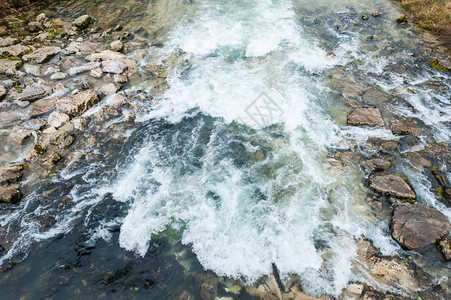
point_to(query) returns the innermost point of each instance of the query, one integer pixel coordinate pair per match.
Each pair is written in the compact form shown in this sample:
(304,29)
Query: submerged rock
(370,116)
(406,126)
(375,96)
(79,103)
(417,225)
(377,164)
(393,185)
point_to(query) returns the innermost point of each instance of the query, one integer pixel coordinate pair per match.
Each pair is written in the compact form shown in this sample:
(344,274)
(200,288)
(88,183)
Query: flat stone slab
(417,225)
(79,103)
(370,116)
(393,185)
(42,55)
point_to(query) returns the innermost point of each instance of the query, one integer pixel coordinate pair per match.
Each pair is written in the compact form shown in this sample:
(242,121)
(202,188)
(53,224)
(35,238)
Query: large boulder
(417,225)
(79,103)
(370,116)
(42,55)
(392,185)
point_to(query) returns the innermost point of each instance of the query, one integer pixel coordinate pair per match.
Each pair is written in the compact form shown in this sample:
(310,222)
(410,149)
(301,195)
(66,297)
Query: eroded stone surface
(42,55)
(393,185)
(370,116)
(417,225)
(79,103)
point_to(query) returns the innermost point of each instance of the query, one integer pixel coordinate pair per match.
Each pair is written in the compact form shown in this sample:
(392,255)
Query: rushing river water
(228,176)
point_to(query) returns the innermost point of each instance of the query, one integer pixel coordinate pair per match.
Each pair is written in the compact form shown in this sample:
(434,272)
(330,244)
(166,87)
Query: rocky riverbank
(64,91)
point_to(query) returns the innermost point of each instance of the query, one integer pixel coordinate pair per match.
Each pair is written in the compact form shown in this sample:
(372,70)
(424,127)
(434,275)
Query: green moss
(52,175)
(419,298)
(2,33)
(397,255)
(38,148)
(25,166)
(408,201)
(50,29)
(51,36)
(15,58)
(434,64)
(424,25)
(388,159)
(59,31)
(439,192)
(406,179)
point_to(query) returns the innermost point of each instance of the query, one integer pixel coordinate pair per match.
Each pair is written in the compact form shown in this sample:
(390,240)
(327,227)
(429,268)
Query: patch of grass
(433,15)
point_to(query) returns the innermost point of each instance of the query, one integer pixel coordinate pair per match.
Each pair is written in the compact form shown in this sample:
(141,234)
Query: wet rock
(345,87)
(417,225)
(2,92)
(18,136)
(82,22)
(396,271)
(51,70)
(58,76)
(10,194)
(105,55)
(393,185)
(97,73)
(8,119)
(42,18)
(444,65)
(8,41)
(59,139)
(41,107)
(117,100)
(406,126)
(375,96)
(32,69)
(365,17)
(68,62)
(7,65)
(34,92)
(33,124)
(370,116)
(114,66)
(111,88)
(120,78)
(83,68)
(57,119)
(116,46)
(377,164)
(15,50)
(77,104)
(10,174)
(34,26)
(42,55)
(401,19)
(445,247)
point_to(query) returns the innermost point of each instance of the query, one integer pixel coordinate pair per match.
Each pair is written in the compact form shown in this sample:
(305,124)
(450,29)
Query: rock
(8,119)
(375,96)
(402,19)
(51,70)
(33,124)
(365,17)
(77,104)
(7,64)
(417,225)
(2,92)
(117,100)
(15,50)
(111,88)
(97,73)
(41,107)
(34,92)
(58,76)
(10,174)
(42,18)
(393,185)
(32,69)
(83,68)
(445,247)
(18,136)
(82,22)
(57,119)
(8,41)
(34,26)
(394,270)
(377,164)
(344,87)
(116,46)
(382,145)
(68,62)
(370,116)
(59,139)
(105,55)
(10,194)
(444,65)
(120,78)
(405,126)
(42,55)
(113,66)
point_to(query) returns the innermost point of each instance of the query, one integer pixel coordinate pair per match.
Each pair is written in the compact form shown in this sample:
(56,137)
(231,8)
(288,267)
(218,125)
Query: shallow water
(228,176)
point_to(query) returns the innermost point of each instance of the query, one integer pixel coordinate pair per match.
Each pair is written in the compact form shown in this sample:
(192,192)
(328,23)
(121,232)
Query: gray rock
(42,18)
(57,119)
(34,92)
(113,66)
(7,64)
(105,55)
(370,116)
(59,139)
(417,225)
(7,119)
(32,69)
(405,126)
(111,88)
(8,41)
(78,104)
(83,68)
(41,107)
(68,62)
(58,76)
(377,164)
(50,70)
(10,174)
(375,96)
(43,36)
(10,194)
(97,73)
(116,46)
(120,78)
(42,55)
(393,185)
(33,124)
(2,92)
(15,50)
(82,22)
(34,26)
(18,136)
